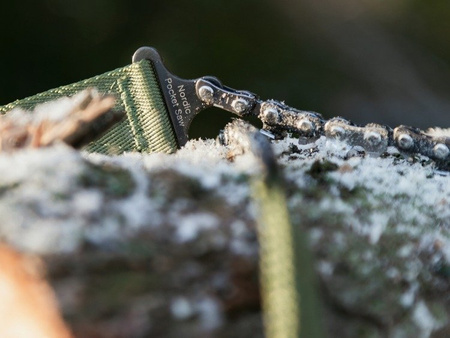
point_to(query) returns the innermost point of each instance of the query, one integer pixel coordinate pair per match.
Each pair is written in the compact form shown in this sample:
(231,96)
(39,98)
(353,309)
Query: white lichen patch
(189,226)
(395,191)
(424,320)
(182,308)
(52,201)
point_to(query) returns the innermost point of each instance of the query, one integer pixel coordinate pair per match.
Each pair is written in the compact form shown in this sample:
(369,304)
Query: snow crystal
(137,209)
(325,268)
(315,235)
(107,232)
(405,251)
(407,299)
(188,227)
(392,273)
(438,132)
(87,202)
(181,308)
(424,320)
(210,312)
(241,235)
(238,228)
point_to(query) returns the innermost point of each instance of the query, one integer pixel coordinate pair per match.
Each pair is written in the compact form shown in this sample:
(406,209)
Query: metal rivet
(405,141)
(305,126)
(337,132)
(206,93)
(271,115)
(441,151)
(373,138)
(239,105)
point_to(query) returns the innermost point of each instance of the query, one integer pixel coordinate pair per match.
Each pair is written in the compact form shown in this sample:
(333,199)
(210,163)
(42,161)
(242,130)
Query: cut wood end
(28,308)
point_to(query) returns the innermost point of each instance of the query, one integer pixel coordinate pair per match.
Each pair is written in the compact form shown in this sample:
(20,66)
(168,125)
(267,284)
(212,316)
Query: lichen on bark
(164,245)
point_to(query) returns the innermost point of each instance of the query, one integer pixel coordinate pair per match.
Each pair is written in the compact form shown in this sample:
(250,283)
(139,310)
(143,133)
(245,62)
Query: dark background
(371,61)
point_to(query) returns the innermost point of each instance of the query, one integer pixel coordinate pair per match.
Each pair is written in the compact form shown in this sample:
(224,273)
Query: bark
(166,245)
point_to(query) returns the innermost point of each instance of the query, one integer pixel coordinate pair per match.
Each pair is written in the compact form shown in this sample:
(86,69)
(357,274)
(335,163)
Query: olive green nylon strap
(288,286)
(147,127)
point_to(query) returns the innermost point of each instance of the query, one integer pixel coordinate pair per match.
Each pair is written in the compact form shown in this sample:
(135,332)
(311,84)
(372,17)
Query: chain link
(280,119)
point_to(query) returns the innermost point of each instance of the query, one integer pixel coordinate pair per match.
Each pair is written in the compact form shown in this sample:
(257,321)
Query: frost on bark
(165,245)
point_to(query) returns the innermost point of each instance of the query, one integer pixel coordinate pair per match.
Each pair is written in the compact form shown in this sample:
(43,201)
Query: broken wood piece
(75,121)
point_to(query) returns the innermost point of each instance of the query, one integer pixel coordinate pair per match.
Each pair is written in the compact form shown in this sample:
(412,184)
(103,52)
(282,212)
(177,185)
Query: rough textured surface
(75,121)
(160,245)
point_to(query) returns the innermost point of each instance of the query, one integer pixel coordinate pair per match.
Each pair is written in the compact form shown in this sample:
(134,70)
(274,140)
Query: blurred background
(367,60)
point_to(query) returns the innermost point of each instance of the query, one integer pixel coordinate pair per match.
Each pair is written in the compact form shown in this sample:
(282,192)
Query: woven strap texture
(287,277)
(147,127)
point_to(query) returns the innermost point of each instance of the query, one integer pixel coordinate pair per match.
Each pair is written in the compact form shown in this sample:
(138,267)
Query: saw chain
(186,98)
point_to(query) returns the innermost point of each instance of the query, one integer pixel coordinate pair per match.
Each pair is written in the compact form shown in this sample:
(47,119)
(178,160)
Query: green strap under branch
(147,127)
(288,287)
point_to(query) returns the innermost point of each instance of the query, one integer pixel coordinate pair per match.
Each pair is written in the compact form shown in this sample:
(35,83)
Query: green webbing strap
(147,127)
(287,277)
